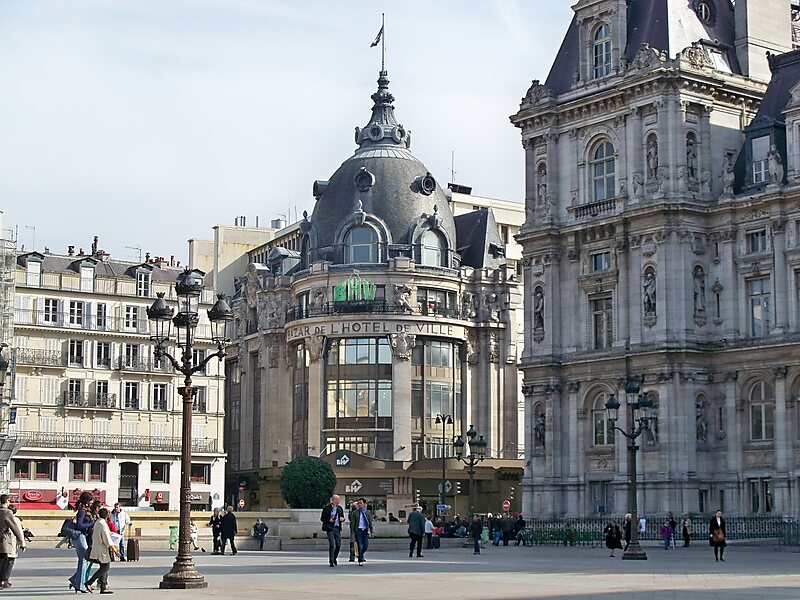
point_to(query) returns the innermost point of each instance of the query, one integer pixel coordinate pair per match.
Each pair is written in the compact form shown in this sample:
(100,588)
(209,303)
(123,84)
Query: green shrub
(307,482)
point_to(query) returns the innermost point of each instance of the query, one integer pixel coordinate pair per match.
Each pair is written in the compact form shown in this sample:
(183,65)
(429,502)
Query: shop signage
(33,496)
(369,487)
(354,289)
(382,327)
(74,495)
(342,458)
(199,497)
(161,497)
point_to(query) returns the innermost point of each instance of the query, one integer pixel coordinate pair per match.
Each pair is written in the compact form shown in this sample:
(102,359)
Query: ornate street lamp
(3,368)
(641,415)
(188,288)
(444,420)
(477,453)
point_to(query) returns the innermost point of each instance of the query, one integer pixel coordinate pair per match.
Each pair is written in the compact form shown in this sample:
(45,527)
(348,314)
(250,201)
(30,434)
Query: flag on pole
(377,38)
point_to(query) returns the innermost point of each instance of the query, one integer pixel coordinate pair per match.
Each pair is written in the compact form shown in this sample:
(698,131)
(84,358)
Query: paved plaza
(498,574)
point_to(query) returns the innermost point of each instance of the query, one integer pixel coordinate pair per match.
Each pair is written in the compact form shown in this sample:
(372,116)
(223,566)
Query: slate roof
(785,75)
(53,263)
(477,234)
(666,25)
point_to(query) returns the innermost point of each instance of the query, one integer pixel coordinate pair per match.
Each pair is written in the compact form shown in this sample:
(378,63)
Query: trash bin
(173,536)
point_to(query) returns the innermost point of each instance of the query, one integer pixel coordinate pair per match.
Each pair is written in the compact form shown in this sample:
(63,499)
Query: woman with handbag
(103,547)
(83,524)
(717,535)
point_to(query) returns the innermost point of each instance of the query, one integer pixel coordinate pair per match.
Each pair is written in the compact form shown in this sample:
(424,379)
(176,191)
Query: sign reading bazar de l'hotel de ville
(356,290)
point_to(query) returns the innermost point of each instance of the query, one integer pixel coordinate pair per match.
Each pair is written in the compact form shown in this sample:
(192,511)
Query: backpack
(68,530)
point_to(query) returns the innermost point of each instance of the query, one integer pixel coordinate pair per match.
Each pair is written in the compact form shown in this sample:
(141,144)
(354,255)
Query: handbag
(717,536)
(68,530)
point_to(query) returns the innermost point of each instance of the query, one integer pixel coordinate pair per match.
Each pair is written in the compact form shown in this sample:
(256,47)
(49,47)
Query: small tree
(307,482)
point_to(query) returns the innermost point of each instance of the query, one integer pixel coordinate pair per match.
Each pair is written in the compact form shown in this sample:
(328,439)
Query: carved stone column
(635,162)
(627,306)
(315,345)
(732,424)
(781,276)
(402,345)
(704,150)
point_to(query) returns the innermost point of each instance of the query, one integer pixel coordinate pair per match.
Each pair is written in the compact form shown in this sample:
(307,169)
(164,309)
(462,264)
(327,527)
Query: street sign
(442,506)
(241,503)
(448,486)
(506,505)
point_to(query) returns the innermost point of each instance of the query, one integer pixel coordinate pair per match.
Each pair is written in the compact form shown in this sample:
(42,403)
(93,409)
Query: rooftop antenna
(452,166)
(33,227)
(137,249)
(381,37)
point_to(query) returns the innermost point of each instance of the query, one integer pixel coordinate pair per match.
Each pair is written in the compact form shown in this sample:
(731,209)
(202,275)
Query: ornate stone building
(390,311)
(661,245)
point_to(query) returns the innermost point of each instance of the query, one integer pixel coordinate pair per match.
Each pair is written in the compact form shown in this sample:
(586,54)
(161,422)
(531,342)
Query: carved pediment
(536,93)
(696,55)
(646,57)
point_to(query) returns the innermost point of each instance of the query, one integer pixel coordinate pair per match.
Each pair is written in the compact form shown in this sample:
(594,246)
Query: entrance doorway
(128,494)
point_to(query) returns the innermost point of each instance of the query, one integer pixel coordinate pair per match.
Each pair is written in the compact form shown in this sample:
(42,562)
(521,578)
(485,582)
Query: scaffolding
(9,444)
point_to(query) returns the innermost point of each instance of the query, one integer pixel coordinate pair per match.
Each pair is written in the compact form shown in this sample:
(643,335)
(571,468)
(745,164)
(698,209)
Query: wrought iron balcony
(129,363)
(87,400)
(41,358)
(112,442)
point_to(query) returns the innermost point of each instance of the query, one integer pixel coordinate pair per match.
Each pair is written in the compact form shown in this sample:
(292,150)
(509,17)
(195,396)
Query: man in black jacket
(228,530)
(215,524)
(332,518)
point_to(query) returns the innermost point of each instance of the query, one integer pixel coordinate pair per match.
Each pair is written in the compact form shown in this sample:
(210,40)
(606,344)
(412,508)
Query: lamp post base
(634,552)
(183,576)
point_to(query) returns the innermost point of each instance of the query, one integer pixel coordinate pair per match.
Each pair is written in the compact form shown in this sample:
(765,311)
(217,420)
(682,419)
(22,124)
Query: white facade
(94,409)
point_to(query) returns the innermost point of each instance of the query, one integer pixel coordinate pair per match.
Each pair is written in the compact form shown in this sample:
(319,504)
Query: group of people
(97,535)
(360,520)
(223,531)
(668,533)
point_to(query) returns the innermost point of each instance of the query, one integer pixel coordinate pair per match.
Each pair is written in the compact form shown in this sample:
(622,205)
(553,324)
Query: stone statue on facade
(637,183)
(317,298)
(472,349)
(315,344)
(468,308)
(728,176)
(652,158)
(494,347)
(649,293)
(538,310)
(541,185)
(402,344)
(699,285)
(701,422)
(775,164)
(491,308)
(539,430)
(404,296)
(691,159)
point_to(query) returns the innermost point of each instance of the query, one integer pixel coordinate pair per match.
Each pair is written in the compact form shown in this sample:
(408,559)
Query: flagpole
(383,43)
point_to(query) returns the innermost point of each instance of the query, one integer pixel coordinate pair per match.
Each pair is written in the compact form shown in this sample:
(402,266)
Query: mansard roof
(785,75)
(668,26)
(479,241)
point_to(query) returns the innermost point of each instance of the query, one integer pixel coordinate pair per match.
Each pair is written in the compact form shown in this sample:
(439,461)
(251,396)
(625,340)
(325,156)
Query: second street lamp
(477,453)
(444,420)
(640,418)
(188,288)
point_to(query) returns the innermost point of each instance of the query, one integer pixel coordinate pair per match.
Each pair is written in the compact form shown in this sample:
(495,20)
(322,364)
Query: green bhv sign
(353,289)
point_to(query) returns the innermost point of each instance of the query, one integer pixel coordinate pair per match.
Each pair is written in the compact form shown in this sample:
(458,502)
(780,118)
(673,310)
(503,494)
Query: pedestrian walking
(228,530)
(84,524)
(626,527)
(121,521)
(495,529)
(613,537)
(506,526)
(103,547)
(332,518)
(642,526)
(12,541)
(476,531)
(260,530)
(216,530)
(363,530)
(666,534)
(519,530)
(674,526)
(351,516)
(428,533)
(416,529)
(717,535)
(686,527)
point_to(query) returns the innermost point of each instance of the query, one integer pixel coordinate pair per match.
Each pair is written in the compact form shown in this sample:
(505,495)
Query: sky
(147,122)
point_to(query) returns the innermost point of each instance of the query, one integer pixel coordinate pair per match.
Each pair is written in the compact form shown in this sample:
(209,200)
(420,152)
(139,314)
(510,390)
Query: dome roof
(383,184)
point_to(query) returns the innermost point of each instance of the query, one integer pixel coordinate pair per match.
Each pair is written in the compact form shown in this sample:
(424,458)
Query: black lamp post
(477,452)
(4,425)
(444,420)
(641,414)
(188,288)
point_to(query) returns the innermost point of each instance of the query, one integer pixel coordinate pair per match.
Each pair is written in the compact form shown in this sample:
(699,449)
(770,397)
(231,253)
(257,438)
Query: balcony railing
(371,307)
(597,208)
(112,442)
(41,358)
(65,320)
(87,400)
(125,363)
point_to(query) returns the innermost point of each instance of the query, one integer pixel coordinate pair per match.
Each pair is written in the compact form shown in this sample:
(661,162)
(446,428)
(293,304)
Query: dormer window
(433,249)
(602,51)
(603,171)
(33,276)
(87,279)
(760,150)
(143,284)
(361,245)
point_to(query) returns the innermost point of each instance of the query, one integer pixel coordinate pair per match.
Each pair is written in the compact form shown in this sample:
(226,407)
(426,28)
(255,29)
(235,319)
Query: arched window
(602,433)
(762,412)
(433,249)
(603,171)
(602,51)
(361,245)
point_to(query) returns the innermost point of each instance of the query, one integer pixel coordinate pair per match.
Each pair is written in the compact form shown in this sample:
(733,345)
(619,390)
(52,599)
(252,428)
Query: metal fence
(791,534)
(588,531)
(112,442)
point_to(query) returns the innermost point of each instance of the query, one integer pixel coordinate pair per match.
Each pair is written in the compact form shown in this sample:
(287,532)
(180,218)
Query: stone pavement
(498,573)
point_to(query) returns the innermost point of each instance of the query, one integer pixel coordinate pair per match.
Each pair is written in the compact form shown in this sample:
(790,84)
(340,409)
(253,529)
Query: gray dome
(383,185)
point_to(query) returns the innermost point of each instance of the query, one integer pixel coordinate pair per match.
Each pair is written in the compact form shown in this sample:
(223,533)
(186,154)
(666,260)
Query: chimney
(81,253)
(70,250)
(147,257)
(94,245)
(761,26)
(171,260)
(46,250)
